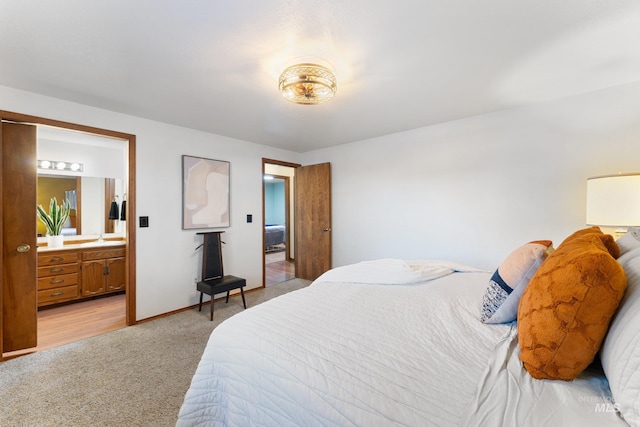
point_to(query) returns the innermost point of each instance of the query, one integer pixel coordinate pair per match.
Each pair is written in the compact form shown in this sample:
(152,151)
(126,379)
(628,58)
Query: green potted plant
(54,221)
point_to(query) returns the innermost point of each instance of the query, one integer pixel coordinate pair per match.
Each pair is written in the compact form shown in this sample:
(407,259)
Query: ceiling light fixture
(307,84)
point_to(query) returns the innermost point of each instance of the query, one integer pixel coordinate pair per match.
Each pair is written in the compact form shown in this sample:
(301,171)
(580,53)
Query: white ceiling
(214,65)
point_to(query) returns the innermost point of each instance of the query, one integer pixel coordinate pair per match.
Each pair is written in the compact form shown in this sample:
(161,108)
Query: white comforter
(339,353)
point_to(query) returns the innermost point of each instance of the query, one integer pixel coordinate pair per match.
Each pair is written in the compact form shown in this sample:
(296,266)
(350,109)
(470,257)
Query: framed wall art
(205,193)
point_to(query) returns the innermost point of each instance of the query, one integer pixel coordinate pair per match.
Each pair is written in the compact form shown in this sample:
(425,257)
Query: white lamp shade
(614,201)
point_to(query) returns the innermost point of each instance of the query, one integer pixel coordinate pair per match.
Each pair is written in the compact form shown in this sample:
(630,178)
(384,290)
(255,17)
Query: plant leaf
(56,217)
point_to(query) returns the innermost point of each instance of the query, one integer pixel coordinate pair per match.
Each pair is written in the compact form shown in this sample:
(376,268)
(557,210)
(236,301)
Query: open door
(19,315)
(313,220)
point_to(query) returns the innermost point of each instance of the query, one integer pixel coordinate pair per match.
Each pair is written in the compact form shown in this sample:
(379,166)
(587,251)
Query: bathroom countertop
(84,245)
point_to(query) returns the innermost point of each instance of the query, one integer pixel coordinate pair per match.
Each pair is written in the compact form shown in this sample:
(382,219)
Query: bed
(396,342)
(274,235)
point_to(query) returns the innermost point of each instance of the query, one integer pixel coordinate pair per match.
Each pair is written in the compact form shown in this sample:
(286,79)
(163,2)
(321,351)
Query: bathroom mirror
(94,191)
(90,202)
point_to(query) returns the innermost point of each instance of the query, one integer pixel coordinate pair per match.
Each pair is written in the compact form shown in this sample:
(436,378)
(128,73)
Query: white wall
(97,161)
(167,261)
(474,189)
(93,208)
(470,190)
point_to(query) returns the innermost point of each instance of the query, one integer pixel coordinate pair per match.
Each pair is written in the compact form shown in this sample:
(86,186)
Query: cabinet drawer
(51,296)
(57,258)
(57,281)
(104,253)
(57,270)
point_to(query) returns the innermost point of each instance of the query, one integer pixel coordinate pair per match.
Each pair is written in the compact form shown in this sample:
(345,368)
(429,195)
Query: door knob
(23,248)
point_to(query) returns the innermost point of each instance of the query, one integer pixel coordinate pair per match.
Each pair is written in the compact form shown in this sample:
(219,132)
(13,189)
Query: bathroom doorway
(79,228)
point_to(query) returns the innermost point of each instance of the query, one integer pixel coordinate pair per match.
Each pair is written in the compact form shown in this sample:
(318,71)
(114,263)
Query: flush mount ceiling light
(307,84)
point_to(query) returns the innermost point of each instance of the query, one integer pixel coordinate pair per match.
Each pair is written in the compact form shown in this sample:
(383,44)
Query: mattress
(345,351)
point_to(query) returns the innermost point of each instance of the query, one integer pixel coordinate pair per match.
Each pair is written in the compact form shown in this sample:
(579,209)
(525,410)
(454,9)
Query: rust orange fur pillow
(565,311)
(607,239)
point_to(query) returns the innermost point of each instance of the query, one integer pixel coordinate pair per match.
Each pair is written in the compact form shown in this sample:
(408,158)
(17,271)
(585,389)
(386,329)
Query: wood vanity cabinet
(103,271)
(74,274)
(57,277)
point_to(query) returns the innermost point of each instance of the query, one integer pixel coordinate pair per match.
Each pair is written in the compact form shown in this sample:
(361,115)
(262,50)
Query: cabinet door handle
(53,282)
(56,294)
(56,259)
(56,270)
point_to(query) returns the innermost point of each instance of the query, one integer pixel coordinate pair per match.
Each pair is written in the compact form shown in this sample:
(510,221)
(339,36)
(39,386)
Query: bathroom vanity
(80,271)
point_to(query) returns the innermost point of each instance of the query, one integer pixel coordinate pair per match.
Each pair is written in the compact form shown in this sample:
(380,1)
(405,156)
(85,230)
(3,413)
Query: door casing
(289,253)
(131,202)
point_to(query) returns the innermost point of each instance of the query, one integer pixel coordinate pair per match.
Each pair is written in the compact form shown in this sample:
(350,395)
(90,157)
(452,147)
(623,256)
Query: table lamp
(614,201)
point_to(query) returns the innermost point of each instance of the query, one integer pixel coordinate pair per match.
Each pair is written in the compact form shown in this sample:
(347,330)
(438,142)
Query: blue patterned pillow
(500,301)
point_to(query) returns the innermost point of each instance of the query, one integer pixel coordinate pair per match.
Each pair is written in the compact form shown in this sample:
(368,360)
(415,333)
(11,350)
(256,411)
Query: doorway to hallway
(278,213)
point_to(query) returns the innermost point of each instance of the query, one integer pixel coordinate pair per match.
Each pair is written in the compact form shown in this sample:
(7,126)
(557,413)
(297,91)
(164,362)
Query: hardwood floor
(68,323)
(278,269)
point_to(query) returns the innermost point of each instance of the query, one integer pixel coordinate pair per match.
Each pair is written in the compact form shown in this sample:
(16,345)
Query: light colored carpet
(136,376)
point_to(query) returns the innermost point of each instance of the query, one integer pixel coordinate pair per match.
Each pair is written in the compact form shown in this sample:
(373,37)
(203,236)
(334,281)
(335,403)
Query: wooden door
(19,247)
(313,220)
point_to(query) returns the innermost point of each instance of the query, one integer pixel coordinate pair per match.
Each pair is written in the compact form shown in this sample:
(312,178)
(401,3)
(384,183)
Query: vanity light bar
(60,166)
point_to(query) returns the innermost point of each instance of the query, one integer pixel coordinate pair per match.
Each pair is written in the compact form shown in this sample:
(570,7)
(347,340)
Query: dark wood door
(19,246)
(313,220)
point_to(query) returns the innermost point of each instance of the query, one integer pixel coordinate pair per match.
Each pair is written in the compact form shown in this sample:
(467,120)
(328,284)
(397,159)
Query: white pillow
(630,240)
(501,298)
(620,352)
